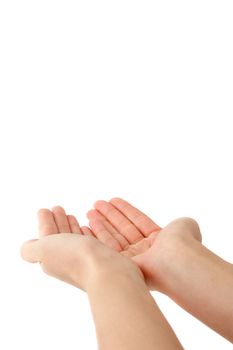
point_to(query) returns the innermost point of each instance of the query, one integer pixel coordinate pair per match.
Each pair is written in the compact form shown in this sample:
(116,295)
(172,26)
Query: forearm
(200,282)
(126,316)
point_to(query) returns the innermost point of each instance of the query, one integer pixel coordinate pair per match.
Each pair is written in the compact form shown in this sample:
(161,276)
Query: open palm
(126,229)
(117,224)
(122,227)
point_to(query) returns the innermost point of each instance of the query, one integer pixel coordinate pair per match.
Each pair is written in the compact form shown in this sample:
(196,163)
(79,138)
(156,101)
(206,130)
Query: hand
(121,226)
(70,252)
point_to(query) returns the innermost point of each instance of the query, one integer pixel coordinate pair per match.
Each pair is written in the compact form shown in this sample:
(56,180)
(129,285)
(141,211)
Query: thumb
(30,251)
(138,259)
(141,261)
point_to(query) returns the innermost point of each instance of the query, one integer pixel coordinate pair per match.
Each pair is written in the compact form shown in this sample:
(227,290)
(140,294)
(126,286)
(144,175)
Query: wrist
(100,264)
(117,272)
(174,261)
(172,256)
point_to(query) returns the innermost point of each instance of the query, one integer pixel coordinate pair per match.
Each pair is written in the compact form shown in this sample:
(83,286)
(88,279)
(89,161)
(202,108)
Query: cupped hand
(71,253)
(126,229)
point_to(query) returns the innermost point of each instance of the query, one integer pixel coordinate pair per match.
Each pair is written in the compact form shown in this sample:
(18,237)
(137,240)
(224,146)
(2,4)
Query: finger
(30,251)
(103,235)
(119,221)
(87,231)
(61,220)
(95,215)
(47,224)
(74,225)
(139,219)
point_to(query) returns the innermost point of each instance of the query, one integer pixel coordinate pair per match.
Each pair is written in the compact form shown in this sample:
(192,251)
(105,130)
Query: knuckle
(190,222)
(192,226)
(42,211)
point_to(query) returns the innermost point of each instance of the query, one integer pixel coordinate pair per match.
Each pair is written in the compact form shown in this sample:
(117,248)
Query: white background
(101,99)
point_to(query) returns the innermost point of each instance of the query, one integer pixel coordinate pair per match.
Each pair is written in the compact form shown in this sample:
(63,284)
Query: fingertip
(72,218)
(90,213)
(115,199)
(42,211)
(99,203)
(58,208)
(94,222)
(86,231)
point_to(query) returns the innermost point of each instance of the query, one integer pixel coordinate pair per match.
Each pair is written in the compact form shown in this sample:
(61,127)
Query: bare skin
(73,255)
(173,260)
